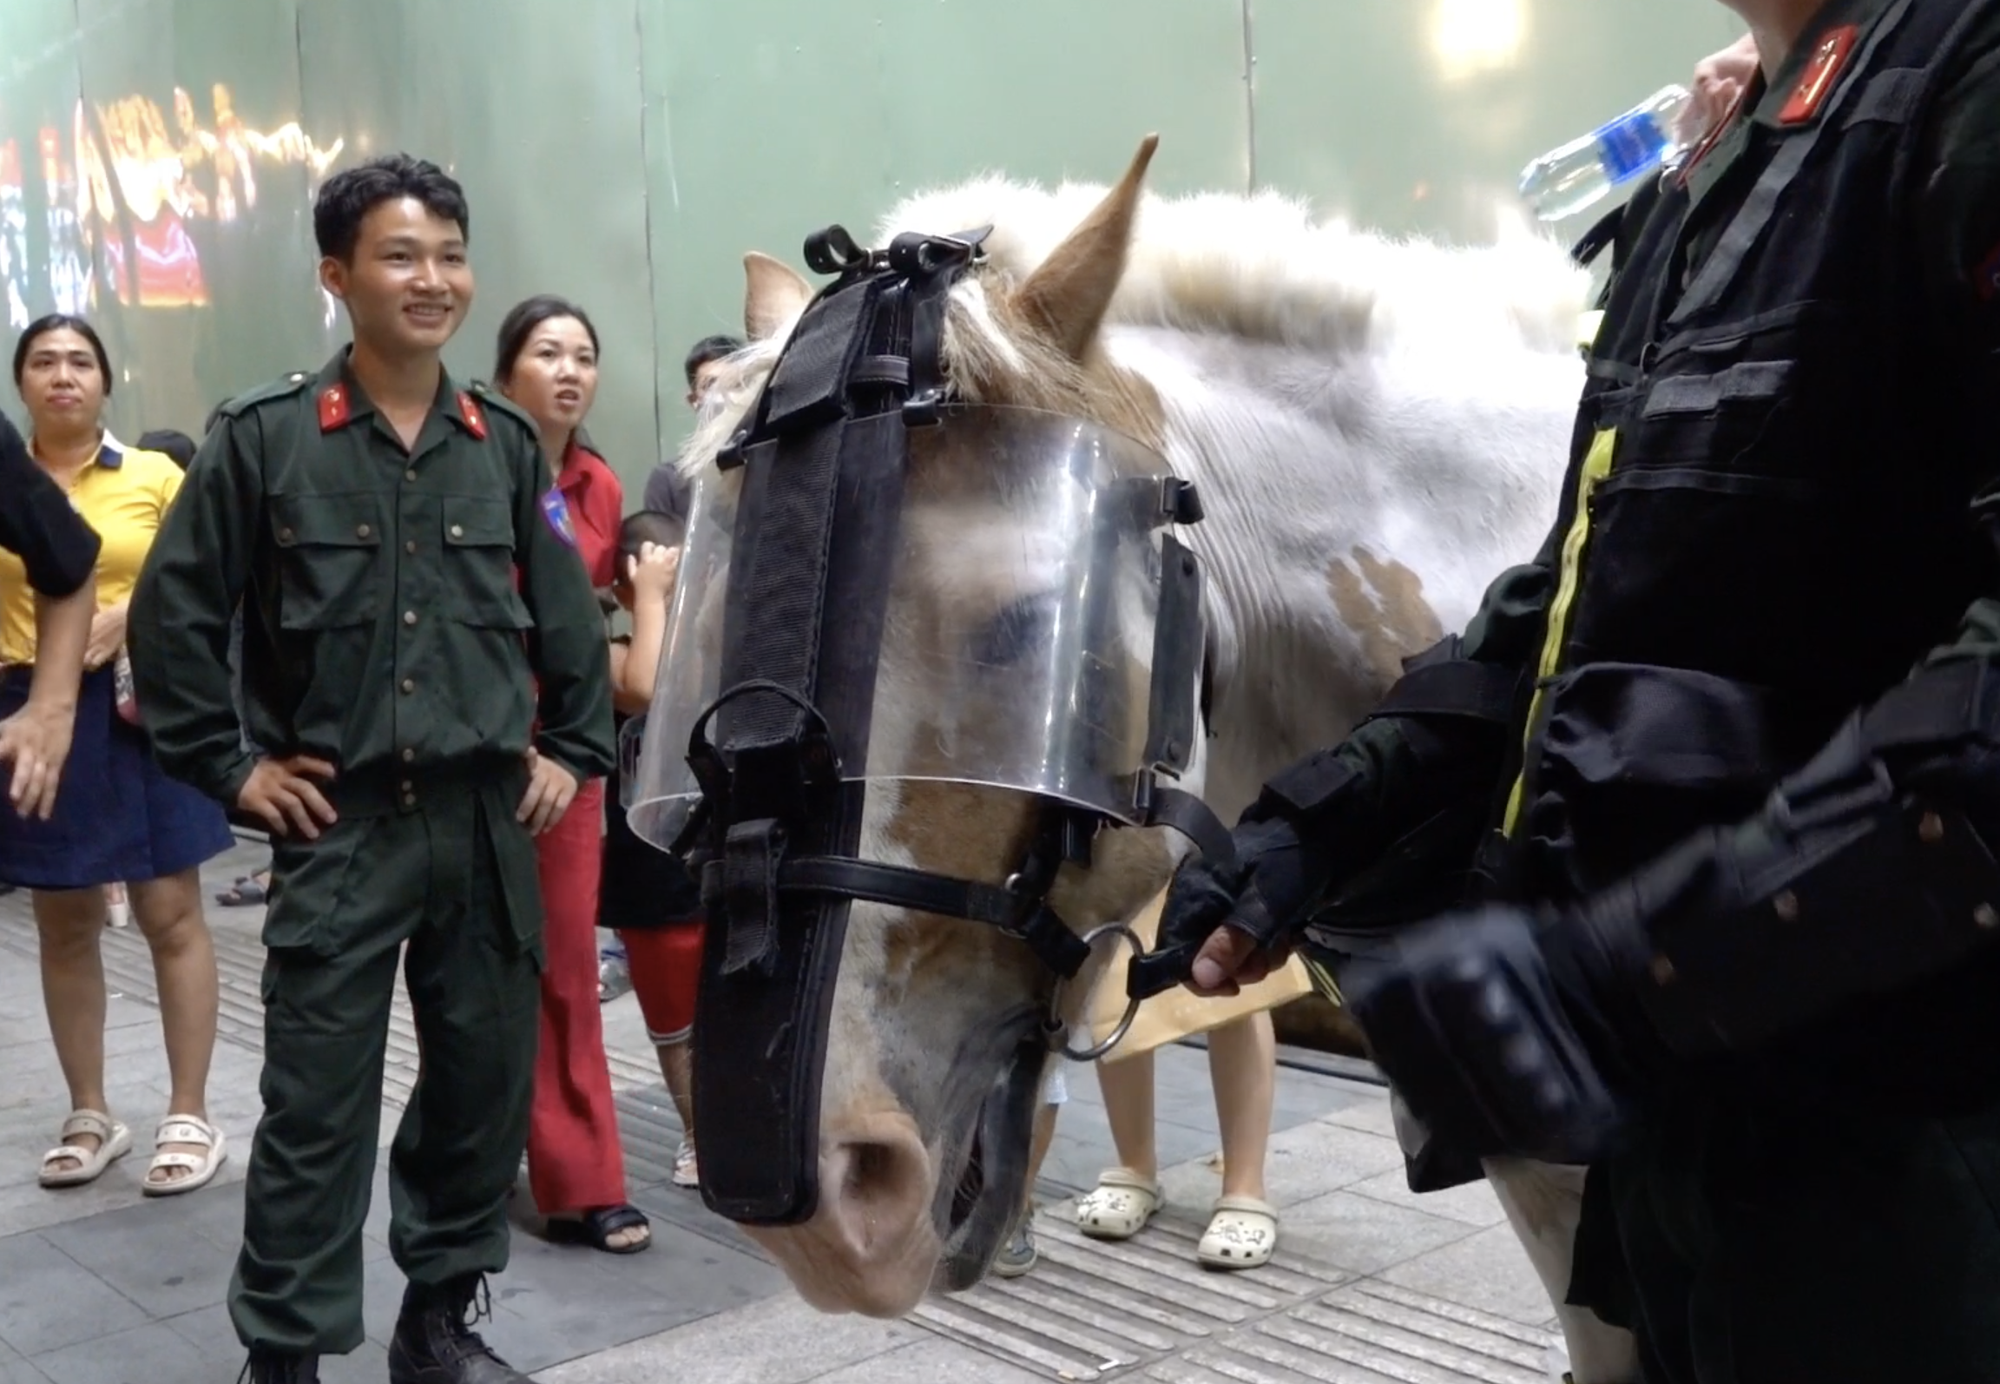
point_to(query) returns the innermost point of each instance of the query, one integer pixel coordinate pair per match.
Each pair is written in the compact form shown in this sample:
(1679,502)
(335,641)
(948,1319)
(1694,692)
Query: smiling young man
(423,665)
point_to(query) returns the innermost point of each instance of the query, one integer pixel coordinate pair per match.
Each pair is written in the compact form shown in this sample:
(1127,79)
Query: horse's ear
(773,294)
(1068,294)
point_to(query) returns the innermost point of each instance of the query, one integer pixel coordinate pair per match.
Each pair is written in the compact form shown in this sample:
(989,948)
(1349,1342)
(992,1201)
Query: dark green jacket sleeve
(566,647)
(1959,220)
(1394,772)
(178,628)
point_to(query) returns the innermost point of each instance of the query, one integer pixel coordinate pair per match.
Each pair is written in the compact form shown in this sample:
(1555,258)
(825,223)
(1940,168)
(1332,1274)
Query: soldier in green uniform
(423,665)
(1733,934)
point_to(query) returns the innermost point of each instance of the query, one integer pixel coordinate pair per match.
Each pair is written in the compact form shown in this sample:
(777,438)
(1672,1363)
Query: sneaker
(1019,1254)
(687,1173)
(614,977)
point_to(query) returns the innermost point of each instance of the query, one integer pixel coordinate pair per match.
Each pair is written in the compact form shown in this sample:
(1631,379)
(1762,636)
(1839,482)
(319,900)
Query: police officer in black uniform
(1736,938)
(59,551)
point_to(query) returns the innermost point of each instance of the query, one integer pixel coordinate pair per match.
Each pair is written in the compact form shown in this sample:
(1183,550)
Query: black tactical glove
(1264,895)
(1526,1034)
(1493,1024)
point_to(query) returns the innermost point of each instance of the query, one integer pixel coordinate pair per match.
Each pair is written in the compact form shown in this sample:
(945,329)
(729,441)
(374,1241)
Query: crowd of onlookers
(128,841)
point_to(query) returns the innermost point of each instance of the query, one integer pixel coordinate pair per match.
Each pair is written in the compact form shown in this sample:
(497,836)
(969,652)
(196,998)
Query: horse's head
(1016,650)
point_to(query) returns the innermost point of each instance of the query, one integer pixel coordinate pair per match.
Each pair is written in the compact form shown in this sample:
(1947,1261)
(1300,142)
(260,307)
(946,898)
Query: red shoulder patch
(1822,69)
(1986,276)
(333,408)
(475,421)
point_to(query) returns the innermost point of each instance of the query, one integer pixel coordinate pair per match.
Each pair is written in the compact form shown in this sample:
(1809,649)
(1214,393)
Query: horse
(1377,429)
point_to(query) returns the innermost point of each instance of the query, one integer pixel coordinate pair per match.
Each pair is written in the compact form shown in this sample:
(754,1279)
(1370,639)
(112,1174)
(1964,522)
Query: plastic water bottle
(1583,172)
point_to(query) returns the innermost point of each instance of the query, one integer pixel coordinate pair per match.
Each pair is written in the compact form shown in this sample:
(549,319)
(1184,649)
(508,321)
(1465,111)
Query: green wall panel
(1418,115)
(626,152)
(767,119)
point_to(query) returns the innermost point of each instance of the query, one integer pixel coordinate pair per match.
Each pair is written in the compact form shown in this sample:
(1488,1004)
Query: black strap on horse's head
(800,629)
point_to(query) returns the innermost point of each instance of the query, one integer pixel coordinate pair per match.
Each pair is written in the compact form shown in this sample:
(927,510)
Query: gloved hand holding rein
(1438,736)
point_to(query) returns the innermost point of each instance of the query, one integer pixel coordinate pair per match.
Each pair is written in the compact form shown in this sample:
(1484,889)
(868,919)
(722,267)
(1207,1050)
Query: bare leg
(69,923)
(1038,1150)
(677,1070)
(1127,1085)
(168,911)
(1243,1067)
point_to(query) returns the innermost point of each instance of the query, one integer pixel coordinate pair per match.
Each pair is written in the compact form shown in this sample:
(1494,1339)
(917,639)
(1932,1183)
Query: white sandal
(1119,1207)
(114,1141)
(202,1167)
(1242,1234)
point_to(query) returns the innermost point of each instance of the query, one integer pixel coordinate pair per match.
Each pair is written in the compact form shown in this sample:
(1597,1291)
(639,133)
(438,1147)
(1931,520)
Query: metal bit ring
(1057,1031)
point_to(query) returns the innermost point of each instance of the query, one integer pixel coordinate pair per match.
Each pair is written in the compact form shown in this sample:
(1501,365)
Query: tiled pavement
(100,1286)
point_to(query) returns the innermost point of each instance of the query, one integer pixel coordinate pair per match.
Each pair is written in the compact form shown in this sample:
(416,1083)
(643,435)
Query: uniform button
(409,475)
(362,530)
(409,617)
(284,535)
(457,532)
(410,547)
(409,800)
(409,685)
(408,787)
(409,755)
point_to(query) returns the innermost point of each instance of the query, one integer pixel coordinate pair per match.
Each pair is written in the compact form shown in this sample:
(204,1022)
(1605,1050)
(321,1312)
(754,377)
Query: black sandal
(595,1229)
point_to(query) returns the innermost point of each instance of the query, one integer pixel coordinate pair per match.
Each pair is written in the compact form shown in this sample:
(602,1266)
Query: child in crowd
(648,896)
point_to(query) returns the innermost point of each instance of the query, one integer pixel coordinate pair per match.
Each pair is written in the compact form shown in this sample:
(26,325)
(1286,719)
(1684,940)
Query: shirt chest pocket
(329,560)
(478,580)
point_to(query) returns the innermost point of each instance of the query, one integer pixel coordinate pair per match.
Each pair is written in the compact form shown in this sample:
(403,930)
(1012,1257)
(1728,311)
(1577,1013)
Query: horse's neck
(1357,507)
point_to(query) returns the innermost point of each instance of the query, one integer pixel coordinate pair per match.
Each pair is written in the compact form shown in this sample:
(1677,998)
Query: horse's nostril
(879,1172)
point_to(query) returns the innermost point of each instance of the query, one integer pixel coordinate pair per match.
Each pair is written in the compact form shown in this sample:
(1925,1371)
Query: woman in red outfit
(547,364)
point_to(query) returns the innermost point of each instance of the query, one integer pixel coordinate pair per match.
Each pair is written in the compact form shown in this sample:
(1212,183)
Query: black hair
(174,443)
(57,322)
(520,324)
(352,193)
(707,349)
(647,526)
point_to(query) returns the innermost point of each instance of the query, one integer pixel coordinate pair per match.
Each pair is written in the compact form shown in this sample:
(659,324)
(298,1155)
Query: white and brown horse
(1377,429)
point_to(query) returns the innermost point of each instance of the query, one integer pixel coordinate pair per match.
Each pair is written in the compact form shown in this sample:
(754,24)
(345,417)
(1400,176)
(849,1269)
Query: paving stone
(1487,1270)
(48,1300)
(781,1341)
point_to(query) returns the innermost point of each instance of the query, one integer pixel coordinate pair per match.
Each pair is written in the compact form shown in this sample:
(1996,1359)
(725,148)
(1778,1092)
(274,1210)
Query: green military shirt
(409,616)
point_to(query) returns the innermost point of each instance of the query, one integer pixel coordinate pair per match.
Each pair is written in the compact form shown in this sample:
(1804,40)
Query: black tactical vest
(1765,522)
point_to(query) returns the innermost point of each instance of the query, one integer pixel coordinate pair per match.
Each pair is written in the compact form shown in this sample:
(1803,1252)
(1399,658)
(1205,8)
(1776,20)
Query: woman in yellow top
(117,816)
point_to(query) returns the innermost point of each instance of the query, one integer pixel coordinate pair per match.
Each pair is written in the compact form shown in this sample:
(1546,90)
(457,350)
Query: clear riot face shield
(1021,646)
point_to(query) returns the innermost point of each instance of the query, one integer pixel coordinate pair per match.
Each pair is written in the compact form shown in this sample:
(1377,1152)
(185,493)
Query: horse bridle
(822,457)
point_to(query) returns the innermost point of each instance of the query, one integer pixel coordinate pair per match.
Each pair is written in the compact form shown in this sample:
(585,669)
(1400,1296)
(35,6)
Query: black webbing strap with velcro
(822,462)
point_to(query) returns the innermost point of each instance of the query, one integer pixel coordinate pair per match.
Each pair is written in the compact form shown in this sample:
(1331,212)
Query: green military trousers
(446,881)
(1747,1240)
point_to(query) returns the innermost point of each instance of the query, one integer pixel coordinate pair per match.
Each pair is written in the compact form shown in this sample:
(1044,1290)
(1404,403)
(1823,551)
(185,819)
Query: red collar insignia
(475,421)
(1986,277)
(333,407)
(1826,64)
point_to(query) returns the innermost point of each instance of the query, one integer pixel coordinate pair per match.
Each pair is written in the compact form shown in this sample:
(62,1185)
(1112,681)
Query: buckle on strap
(752,858)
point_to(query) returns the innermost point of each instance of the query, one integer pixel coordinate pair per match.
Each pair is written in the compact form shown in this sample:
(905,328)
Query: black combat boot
(435,1343)
(279,1367)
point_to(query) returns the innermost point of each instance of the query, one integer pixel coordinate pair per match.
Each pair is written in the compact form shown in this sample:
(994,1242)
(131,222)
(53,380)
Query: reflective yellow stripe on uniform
(1596,466)
(1587,327)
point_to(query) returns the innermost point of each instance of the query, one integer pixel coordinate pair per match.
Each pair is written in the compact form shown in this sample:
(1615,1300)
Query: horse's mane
(1259,267)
